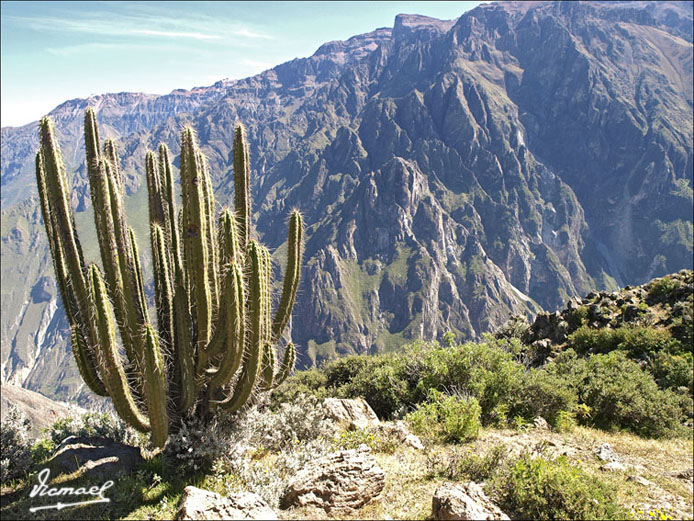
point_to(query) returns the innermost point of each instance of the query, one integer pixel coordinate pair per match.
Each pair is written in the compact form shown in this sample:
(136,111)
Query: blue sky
(55,51)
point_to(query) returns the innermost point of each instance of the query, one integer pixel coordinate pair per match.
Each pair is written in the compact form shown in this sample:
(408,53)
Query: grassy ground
(411,479)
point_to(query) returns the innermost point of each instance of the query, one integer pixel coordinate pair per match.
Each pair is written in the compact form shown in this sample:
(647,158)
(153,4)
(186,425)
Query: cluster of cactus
(214,347)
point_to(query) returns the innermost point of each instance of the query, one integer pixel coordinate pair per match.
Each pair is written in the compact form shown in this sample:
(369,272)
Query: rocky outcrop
(466,501)
(199,504)
(663,303)
(350,413)
(100,458)
(340,482)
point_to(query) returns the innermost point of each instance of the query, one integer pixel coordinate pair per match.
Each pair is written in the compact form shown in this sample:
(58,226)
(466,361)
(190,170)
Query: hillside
(599,433)
(451,173)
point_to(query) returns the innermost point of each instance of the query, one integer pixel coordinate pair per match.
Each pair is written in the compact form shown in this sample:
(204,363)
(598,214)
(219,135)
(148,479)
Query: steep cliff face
(450,172)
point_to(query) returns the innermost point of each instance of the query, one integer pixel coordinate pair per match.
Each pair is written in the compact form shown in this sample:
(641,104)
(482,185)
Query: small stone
(605,453)
(466,501)
(399,431)
(641,481)
(197,503)
(540,423)
(683,474)
(613,466)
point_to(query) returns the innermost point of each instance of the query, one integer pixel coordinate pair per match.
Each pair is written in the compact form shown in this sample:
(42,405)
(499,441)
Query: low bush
(639,342)
(539,488)
(672,371)
(446,418)
(620,394)
(375,439)
(92,425)
(15,447)
(465,464)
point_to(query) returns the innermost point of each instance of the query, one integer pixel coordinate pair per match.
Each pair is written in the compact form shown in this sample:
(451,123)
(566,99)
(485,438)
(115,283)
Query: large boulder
(197,503)
(95,457)
(350,413)
(338,483)
(466,501)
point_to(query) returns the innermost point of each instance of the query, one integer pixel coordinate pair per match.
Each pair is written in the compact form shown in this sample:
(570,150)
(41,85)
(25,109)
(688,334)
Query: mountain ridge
(451,172)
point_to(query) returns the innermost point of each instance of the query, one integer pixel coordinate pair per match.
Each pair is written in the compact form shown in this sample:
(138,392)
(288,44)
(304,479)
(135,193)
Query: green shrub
(446,418)
(42,450)
(544,394)
(466,464)
(672,371)
(662,289)
(311,382)
(578,317)
(620,394)
(537,488)
(381,384)
(377,441)
(638,342)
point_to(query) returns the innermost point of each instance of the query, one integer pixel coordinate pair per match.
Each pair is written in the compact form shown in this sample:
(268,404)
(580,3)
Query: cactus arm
(257,307)
(287,364)
(67,243)
(267,374)
(155,388)
(111,153)
(235,328)
(242,186)
(163,290)
(211,231)
(172,229)
(195,241)
(228,254)
(195,237)
(110,366)
(140,300)
(86,362)
(291,276)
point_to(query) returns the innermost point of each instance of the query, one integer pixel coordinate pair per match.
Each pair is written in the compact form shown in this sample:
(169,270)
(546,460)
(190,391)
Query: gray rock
(683,474)
(605,453)
(463,502)
(338,483)
(641,481)
(350,413)
(197,503)
(540,423)
(399,431)
(95,457)
(613,466)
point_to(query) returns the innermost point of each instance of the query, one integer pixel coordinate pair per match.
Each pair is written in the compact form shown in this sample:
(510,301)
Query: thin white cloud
(175,34)
(251,34)
(129,26)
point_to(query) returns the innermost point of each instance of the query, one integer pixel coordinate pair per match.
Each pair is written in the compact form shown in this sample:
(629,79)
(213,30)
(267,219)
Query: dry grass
(409,487)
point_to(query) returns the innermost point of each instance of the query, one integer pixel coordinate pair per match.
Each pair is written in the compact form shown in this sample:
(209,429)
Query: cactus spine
(214,344)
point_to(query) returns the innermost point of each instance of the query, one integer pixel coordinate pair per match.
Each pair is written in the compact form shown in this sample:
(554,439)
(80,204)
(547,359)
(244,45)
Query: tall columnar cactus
(214,346)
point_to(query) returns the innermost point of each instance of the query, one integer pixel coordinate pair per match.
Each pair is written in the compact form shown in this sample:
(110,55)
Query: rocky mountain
(451,173)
